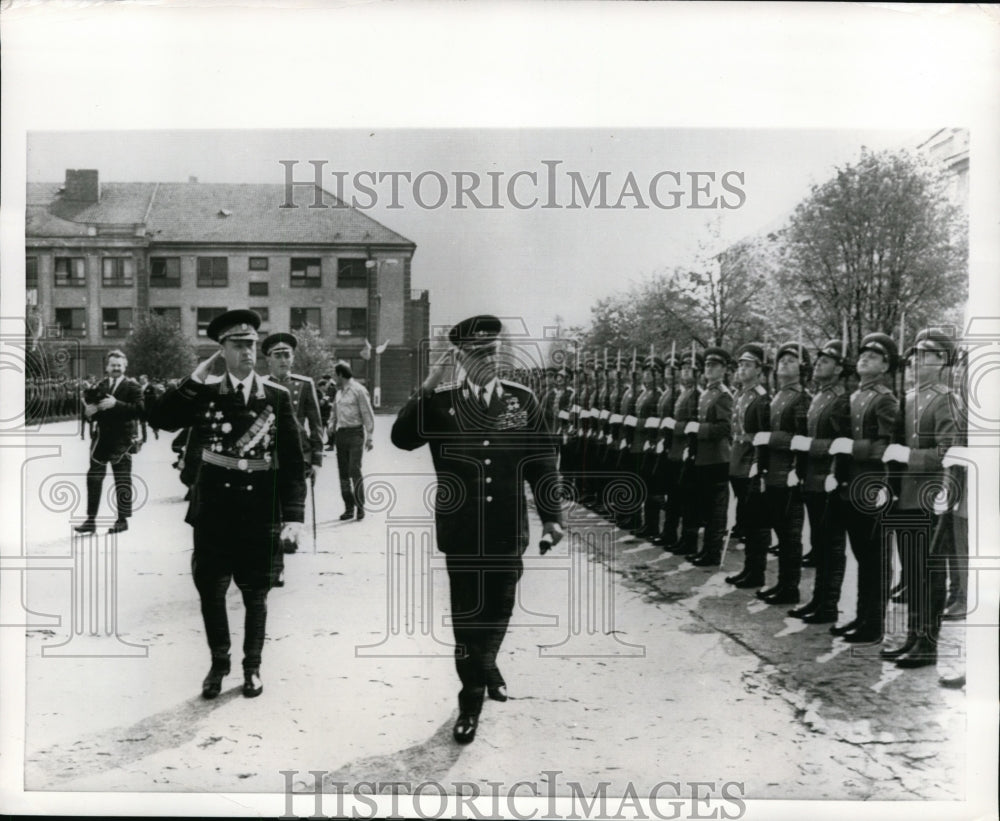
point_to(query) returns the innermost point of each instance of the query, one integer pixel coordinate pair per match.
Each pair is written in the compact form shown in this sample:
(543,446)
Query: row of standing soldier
(862,463)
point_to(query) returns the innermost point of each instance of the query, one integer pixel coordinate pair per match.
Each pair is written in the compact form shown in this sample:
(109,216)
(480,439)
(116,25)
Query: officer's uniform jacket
(482,458)
(114,429)
(562,404)
(874,412)
(305,405)
(251,468)
(930,429)
(789,409)
(685,410)
(751,414)
(622,437)
(829,418)
(715,419)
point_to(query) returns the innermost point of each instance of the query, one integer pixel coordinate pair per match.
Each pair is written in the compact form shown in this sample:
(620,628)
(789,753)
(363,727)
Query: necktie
(241,401)
(484,399)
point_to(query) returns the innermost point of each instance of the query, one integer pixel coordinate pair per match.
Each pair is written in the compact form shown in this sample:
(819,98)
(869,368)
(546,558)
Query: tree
(157,347)
(314,355)
(878,240)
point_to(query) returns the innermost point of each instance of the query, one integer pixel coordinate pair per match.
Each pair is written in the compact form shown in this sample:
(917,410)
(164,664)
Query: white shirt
(485,395)
(243,386)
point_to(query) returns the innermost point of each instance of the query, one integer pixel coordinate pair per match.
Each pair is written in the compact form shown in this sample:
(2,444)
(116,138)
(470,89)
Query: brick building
(101,254)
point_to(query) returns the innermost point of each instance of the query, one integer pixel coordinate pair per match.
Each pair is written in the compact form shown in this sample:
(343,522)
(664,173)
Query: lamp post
(374,267)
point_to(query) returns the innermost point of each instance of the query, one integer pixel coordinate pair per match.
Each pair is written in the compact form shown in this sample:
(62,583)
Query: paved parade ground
(624,663)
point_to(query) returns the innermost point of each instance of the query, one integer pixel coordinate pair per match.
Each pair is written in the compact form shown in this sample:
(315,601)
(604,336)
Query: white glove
(291,532)
(761,438)
(793,478)
(669,423)
(956,456)
(753,470)
(691,427)
(941,503)
(801,443)
(830,483)
(882,498)
(896,453)
(659,446)
(841,445)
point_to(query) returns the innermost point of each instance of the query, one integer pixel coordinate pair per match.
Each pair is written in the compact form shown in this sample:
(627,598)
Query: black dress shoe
(844,629)
(922,654)
(864,635)
(360,516)
(890,653)
(497,692)
(769,591)
(705,560)
(347,515)
(820,617)
(252,685)
(87,527)
(737,578)
(749,581)
(805,610)
(212,685)
(783,595)
(118,527)
(465,728)
(956,611)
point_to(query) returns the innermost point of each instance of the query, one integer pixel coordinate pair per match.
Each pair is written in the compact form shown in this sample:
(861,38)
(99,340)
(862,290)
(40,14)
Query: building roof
(207,212)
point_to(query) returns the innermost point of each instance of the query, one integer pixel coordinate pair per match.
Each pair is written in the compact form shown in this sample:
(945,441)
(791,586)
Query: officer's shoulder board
(882,389)
(266,381)
(301,377)
(760,390)
(444,387)
(724,388)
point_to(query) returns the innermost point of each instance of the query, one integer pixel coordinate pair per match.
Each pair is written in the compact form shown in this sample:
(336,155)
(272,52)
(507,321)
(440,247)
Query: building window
(30,272)
(116,321)
(165,272)
(117,272)
(72,321)
(352,273)
(264,313)
(258,289)
(301,316)
(172,315)
(205,316)
(306,273)
(213,272)
(70,272)
(258,263)
(352,321)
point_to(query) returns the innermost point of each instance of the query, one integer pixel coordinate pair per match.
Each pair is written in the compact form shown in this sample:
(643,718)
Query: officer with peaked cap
(929,430)
(782,467)
(874,417)
(751,414)
(250,486)
(486,436)
(712,430)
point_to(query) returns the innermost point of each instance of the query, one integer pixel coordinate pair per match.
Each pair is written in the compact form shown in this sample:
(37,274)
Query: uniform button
(487,461)
(489,498)
(249,487)
(489,479)
(228,485)
(486,442)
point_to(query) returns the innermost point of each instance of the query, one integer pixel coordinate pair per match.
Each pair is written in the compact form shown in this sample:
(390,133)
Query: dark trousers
(712,504)
(864,529)
(680,508)
(218,559)
(483,592)
(923,574)
(785,516)
(756,530)
(741,490)
(957,557)
(829,545)
(350,444)
(122,470)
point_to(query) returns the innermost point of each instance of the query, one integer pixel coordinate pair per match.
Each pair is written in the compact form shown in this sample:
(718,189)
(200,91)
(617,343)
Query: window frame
(118,280)
(70,330)
(161,281)
(317,324)
(303,279)
(203,332)
(350,330)
(352,282)
(71,282)
(211,281)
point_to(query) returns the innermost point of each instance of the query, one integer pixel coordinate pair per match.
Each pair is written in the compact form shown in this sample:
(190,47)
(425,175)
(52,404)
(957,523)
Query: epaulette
(266,381)
(446,386)
(881,388)
(760,390)
(507,382)
(301,377)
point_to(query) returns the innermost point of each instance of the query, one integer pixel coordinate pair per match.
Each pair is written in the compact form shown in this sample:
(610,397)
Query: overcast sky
(532,262)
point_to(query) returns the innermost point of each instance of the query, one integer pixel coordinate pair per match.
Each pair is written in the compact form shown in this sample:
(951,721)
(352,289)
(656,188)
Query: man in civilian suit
(486,436)
(114,417)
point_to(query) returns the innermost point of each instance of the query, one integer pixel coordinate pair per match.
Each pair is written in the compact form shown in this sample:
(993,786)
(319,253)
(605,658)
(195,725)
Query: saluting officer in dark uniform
(751,415)
(250,480)
(929,429)
(712,430)
(829,418)
(865,494)
(486,437)
(782,491)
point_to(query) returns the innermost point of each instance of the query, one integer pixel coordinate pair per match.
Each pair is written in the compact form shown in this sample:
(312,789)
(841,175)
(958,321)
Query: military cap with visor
(752,352)
(832,349)
(933,339)
(475,331)
(796,348)
(881,344)
(277,342)
(720,355)
(238,324)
